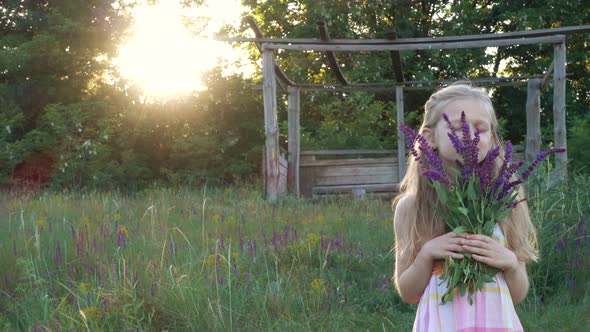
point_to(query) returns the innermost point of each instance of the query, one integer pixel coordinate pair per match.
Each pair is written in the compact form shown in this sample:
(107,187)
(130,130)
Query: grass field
(222,259)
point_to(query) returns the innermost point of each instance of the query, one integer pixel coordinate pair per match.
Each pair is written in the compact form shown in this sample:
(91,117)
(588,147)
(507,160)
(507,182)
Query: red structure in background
(33,173)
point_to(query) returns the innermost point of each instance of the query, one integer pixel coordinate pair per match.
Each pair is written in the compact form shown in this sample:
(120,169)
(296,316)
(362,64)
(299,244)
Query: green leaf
(471,191)
(463,211)
(460,229)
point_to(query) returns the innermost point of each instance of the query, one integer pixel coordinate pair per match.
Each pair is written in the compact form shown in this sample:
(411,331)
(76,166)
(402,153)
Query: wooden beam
(427,40)
(345,152)
(401,144)
(270,126)
(293,107)
(332,61)
(405,47)
(533,119)
(285,81)
(559,105)
(396,61)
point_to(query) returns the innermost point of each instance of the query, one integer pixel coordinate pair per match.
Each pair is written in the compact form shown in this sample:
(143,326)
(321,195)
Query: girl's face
(477,117)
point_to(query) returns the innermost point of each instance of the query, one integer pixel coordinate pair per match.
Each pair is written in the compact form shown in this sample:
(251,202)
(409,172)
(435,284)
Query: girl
(422,240)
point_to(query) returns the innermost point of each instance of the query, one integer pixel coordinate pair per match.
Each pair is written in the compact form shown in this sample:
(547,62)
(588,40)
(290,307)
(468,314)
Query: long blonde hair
(424,223)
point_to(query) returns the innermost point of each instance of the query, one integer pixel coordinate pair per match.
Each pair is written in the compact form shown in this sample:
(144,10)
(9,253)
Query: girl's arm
(412,280)
(518,282)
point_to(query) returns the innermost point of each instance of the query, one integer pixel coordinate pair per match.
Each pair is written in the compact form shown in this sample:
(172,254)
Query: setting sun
(164,56)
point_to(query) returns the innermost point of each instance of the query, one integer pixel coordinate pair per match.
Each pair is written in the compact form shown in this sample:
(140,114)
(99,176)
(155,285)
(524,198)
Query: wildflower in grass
(85,220)
(473,199)
(124,231)
(320,218)
(84,287)
(210,260)
(318,287)
(91,314)
(120,237)
(40,222)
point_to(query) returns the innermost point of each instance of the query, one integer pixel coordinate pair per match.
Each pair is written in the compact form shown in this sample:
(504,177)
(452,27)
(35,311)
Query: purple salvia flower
(411,136)
(486,170)
(221,243)
(475,147)
(241,237)
(287,228)
(539,159)
(455,140)
(250,249)
(505,165)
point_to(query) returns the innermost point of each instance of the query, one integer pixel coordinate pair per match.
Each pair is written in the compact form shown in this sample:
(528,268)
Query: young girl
(423,242)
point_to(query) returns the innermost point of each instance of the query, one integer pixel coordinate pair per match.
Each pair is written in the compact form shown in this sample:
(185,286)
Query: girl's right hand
(441,247)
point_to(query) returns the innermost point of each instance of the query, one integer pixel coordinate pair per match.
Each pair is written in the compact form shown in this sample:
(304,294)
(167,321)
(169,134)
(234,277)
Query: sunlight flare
(170,47)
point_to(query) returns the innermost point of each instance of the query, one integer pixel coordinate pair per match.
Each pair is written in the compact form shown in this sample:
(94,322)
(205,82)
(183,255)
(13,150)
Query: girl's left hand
(486,250)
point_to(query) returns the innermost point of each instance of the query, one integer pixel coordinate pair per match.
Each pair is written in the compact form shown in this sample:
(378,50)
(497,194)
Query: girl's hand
(486,250)
(441,247)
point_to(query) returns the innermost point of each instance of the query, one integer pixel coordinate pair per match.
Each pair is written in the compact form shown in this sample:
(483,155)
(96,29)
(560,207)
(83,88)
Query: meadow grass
(223,259)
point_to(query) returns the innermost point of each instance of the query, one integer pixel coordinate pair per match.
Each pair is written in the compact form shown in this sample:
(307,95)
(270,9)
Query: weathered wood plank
(489,36)
(360,179)
(405,47)
(362,161)
(386,187)
(270,127)
(293,108)
(560,130)
(354,171)
(347,152)
(533,119)
(325,35)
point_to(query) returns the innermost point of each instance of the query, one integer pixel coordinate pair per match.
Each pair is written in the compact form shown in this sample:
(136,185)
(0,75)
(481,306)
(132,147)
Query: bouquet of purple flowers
(475,201)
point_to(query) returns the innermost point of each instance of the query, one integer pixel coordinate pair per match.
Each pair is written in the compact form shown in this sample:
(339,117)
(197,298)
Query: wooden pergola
(273,76)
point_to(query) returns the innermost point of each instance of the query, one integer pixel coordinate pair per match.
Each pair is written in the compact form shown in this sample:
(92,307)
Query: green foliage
(579,142)
(54,97)
(351,121)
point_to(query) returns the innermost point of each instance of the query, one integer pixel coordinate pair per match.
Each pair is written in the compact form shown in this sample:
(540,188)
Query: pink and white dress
(492,309)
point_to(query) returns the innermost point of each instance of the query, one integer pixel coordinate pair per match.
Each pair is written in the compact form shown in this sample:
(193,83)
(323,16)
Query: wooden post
(559,130)
(401,147)
(270,126)
(293,108)
(533,119)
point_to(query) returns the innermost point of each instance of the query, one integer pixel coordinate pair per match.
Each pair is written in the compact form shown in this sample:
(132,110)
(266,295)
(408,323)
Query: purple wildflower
(486,170)
(539,159)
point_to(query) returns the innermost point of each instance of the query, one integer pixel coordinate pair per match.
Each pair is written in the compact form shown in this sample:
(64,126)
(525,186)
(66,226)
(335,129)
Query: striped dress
(492,309)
